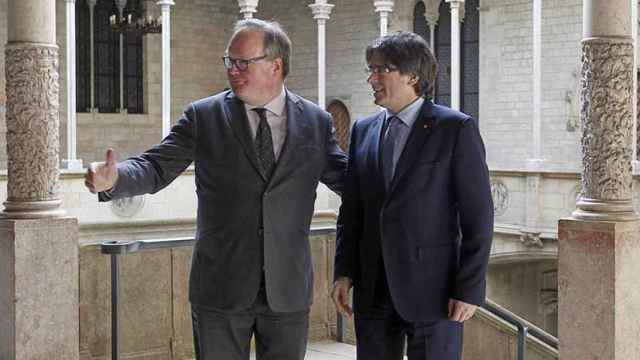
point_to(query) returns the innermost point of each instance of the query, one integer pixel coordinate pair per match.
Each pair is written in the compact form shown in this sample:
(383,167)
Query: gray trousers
(221,335)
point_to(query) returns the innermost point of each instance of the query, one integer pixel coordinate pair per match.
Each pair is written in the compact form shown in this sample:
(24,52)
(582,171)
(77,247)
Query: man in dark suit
(417,215)
(259,152)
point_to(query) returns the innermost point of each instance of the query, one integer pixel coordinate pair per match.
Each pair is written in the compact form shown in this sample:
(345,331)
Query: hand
(102,176)
(340,296)
(460,311)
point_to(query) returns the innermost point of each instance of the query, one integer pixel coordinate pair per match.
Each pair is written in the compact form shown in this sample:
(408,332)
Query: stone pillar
(457,11)
(38,247)
(92,51)
(384,7)
(432,14)
(321,11)
(599,246)
(71,162)
(165,7)
(121,4)
(248,8)
(534,162)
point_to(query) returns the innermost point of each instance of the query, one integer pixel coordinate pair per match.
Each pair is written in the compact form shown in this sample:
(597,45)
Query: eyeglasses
(379,69)
(240,64)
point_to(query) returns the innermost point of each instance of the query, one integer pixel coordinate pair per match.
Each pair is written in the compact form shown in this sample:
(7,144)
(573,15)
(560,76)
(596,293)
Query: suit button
(260,232)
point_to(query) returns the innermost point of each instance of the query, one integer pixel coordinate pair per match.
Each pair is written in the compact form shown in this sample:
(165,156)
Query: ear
(278,66)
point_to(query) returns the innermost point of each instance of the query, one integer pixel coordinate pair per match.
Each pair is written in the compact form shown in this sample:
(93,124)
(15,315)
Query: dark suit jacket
(434,226)
(233,196)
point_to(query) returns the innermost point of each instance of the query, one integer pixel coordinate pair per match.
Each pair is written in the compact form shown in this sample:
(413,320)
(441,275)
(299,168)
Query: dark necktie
(388,147)
(264,144)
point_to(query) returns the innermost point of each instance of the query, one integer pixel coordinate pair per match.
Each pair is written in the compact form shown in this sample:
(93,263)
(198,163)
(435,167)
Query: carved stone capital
(607,129)
(248,8)
(321,11)
(432,11)
(32,130)
(384,7)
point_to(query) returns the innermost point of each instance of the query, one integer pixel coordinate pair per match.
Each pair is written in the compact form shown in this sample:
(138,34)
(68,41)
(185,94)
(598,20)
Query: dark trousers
(381,332)
(221,335)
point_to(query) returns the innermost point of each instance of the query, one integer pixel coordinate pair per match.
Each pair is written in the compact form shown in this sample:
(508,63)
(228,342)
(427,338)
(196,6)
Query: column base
(32,209)
(75,164)
(610,210)
(39,289)
(599,298)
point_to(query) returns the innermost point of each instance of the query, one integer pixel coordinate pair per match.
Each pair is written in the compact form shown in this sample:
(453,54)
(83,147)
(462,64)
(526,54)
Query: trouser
(222,335)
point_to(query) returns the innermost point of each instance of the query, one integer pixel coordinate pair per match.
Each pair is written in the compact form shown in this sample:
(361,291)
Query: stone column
(165,7)
(121,4)
(71,162)
(432,14)
(92,52)
(38,247)
(599,246)
(457,9)
(534,162)
(248,8)
(384,8)
(321,11)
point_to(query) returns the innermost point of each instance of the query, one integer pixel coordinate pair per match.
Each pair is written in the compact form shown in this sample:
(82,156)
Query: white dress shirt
(276,118)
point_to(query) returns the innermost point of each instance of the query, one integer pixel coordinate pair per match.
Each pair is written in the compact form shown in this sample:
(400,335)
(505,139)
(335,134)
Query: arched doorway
(342,122)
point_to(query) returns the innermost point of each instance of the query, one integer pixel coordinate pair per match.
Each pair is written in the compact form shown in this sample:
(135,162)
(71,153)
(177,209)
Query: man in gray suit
(259,152)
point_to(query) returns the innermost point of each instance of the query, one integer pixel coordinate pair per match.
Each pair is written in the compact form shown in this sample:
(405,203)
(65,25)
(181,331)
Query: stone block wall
(155,315)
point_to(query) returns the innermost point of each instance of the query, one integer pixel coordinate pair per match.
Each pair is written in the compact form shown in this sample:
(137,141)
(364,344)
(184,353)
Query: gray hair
(276,42)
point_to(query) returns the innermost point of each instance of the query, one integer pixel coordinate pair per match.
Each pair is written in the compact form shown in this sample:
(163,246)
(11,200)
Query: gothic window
(106,60)
(419,21)
(469,55)
(341,121)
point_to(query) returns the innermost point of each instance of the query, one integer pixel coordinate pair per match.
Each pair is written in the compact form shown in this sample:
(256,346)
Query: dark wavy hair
(411,55)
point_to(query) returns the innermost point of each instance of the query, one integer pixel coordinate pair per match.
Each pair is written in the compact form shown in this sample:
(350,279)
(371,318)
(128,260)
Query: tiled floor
(328,351)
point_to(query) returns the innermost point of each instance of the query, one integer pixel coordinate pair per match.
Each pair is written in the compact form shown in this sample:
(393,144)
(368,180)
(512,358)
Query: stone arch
(342,122)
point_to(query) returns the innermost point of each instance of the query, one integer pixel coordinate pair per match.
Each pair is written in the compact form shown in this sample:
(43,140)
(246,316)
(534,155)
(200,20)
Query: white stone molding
(384,8)
(248,8)
(455,52)
(321,11)
(32,131)
(606,117)
(71,162)
(165,8)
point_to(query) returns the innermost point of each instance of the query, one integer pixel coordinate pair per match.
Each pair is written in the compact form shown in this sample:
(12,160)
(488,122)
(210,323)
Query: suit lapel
(236,116)
(375,140)
(420,131)
(296,124)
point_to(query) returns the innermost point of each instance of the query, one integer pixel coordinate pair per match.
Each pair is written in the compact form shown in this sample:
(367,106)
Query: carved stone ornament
(531,239)
(500,195)
(127,207)
(32,128)
(606,117)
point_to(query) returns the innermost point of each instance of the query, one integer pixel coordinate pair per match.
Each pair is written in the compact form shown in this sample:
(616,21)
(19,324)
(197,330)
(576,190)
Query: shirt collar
(409,113)
(275,106)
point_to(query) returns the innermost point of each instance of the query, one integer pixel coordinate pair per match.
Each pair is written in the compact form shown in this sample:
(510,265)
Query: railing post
(115,291)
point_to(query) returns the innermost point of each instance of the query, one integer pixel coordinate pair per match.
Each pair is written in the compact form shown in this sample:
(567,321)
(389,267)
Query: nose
(372,78)
(233,70)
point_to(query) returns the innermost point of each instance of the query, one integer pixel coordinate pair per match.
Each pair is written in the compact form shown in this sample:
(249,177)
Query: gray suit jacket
(233,197)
